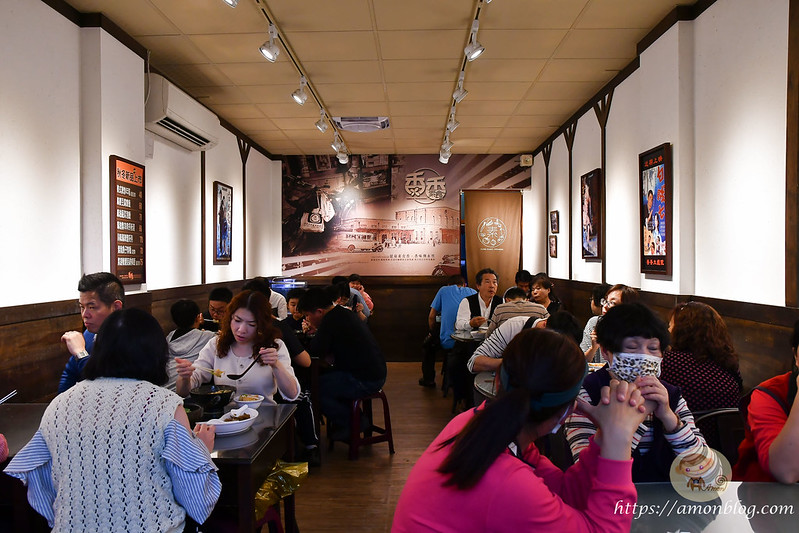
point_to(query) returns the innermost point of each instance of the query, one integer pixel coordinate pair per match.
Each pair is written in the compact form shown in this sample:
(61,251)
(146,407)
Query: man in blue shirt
(101,294)
(446,305)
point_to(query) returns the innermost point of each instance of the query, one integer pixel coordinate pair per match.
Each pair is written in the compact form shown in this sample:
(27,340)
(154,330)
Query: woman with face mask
(631,338)
(484,472)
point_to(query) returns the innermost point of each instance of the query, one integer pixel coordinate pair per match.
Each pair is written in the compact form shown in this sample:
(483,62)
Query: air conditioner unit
(361,124)
(177,117)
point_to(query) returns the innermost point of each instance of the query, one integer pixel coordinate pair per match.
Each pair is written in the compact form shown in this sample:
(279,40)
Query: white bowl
(231,428)
(249,403)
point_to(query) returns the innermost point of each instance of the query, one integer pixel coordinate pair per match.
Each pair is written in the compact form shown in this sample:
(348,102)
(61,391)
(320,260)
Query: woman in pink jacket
(484,473)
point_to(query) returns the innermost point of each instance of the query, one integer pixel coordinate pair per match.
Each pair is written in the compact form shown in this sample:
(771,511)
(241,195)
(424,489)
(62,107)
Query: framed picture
(127,220)
(590,209)
(654,167)
(553,246)
(554,221)
(223,222)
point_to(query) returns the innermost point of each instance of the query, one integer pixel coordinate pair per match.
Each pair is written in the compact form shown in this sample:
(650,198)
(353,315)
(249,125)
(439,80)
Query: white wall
(586,156)
(741,84)
(264,238)
(558,201)
(70,98)
(715,88)
(535,227)
(40,153)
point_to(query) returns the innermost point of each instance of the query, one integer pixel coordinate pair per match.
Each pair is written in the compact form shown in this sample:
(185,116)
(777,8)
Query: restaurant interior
(563,89)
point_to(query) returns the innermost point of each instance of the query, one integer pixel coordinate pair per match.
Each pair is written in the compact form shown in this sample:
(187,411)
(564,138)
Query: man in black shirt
(344,341)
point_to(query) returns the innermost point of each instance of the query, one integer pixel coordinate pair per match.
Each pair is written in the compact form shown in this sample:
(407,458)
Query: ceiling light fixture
(321,124)
(452,124)
(300,96)
(460,93)
(343,157)
(474,49)
(269,49)
(338,144)
(231,3)
(446,150)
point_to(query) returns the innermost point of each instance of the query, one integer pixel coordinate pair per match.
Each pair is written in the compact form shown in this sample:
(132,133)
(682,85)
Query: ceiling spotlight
(269,49)
(460,93)
(343,157)
(338,144)
(300,95)
(452,124)
(231,3)
(444,156)
(474,48)
(321,124)
(447,145)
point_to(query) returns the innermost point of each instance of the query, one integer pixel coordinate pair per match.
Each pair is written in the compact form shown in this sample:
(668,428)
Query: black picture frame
(591,190)
(655,208)
(554,222)
(223,222)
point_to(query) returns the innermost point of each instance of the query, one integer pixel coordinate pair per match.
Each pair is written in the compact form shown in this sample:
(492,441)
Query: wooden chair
(361,436)
(723,430)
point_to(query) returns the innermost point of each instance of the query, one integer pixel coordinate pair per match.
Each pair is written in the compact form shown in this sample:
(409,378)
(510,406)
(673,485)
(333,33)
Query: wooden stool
(356,440)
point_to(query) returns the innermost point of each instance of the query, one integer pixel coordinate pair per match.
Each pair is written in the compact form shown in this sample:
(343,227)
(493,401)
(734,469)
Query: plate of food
(235,421)
(593,367)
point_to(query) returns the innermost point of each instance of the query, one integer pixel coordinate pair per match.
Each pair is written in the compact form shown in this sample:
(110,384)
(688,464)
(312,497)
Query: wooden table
(244,461)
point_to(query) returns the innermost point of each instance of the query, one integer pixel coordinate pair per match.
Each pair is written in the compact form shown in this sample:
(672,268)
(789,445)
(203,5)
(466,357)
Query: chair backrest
(723,430)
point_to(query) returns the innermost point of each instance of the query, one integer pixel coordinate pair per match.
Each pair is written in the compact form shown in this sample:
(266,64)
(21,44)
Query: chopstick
(8,396)
(217,373)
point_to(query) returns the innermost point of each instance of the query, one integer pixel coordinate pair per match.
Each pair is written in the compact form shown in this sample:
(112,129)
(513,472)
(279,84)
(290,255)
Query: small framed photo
(223,221)
(553,246)
(554,222)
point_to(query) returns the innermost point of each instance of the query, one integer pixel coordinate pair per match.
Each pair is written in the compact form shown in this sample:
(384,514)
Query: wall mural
(382,215)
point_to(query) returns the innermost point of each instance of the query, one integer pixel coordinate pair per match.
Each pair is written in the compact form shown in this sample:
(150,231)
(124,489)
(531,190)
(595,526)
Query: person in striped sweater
(632,338)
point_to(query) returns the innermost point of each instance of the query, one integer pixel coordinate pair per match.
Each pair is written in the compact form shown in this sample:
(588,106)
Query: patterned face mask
(628,366)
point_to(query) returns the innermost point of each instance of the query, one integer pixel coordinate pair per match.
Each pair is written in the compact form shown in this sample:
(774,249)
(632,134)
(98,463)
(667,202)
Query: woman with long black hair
(484,473)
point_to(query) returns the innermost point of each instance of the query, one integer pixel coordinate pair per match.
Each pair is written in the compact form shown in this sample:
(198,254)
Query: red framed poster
(127,220)
(654,168)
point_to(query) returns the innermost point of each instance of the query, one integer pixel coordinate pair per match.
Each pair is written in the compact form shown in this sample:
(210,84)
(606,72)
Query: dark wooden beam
(792,162)
(602,111)
(569,135)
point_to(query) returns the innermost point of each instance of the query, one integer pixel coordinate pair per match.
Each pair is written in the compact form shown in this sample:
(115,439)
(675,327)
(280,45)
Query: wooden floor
(360,496)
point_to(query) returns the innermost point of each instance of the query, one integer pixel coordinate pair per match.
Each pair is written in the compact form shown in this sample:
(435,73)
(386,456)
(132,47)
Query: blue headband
(547,399)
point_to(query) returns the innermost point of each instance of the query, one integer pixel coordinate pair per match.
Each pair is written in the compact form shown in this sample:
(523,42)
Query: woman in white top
(115,453)
(246,333)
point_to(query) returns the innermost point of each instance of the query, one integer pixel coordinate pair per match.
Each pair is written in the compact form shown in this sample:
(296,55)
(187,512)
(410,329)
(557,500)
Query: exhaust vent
(361,124)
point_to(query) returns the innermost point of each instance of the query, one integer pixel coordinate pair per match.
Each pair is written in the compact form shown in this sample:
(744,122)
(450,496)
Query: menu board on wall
(127,220)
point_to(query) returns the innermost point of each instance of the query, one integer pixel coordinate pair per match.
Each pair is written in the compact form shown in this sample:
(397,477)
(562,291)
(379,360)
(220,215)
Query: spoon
(239,376)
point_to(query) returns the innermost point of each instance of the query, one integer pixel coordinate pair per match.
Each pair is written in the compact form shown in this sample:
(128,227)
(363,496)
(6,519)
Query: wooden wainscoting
(760,333)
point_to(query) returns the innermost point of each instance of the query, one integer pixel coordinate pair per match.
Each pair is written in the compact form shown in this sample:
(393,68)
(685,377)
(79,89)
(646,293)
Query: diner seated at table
(186,341)
(488,354)
(598,293)
(355,300)
(516,304)
(631,338)
(247,333)
(346,343)
(771,412)
(565,323)
(522,279)
(355,283)
(294,318)
(115,452)
(341,295)
(218,299)
(101,294)
(441,324)
(484,473)
(702,360)
(542,291)
(277,302)
(615,295)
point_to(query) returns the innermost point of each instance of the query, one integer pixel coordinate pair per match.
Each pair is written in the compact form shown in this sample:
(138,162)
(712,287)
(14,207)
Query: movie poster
(382,215)
(655,169)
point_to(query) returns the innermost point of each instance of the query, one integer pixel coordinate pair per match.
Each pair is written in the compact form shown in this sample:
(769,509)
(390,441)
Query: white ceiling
(398,58)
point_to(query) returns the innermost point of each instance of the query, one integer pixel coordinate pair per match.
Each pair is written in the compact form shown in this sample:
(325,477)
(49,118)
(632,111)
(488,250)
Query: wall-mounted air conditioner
(176,116)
